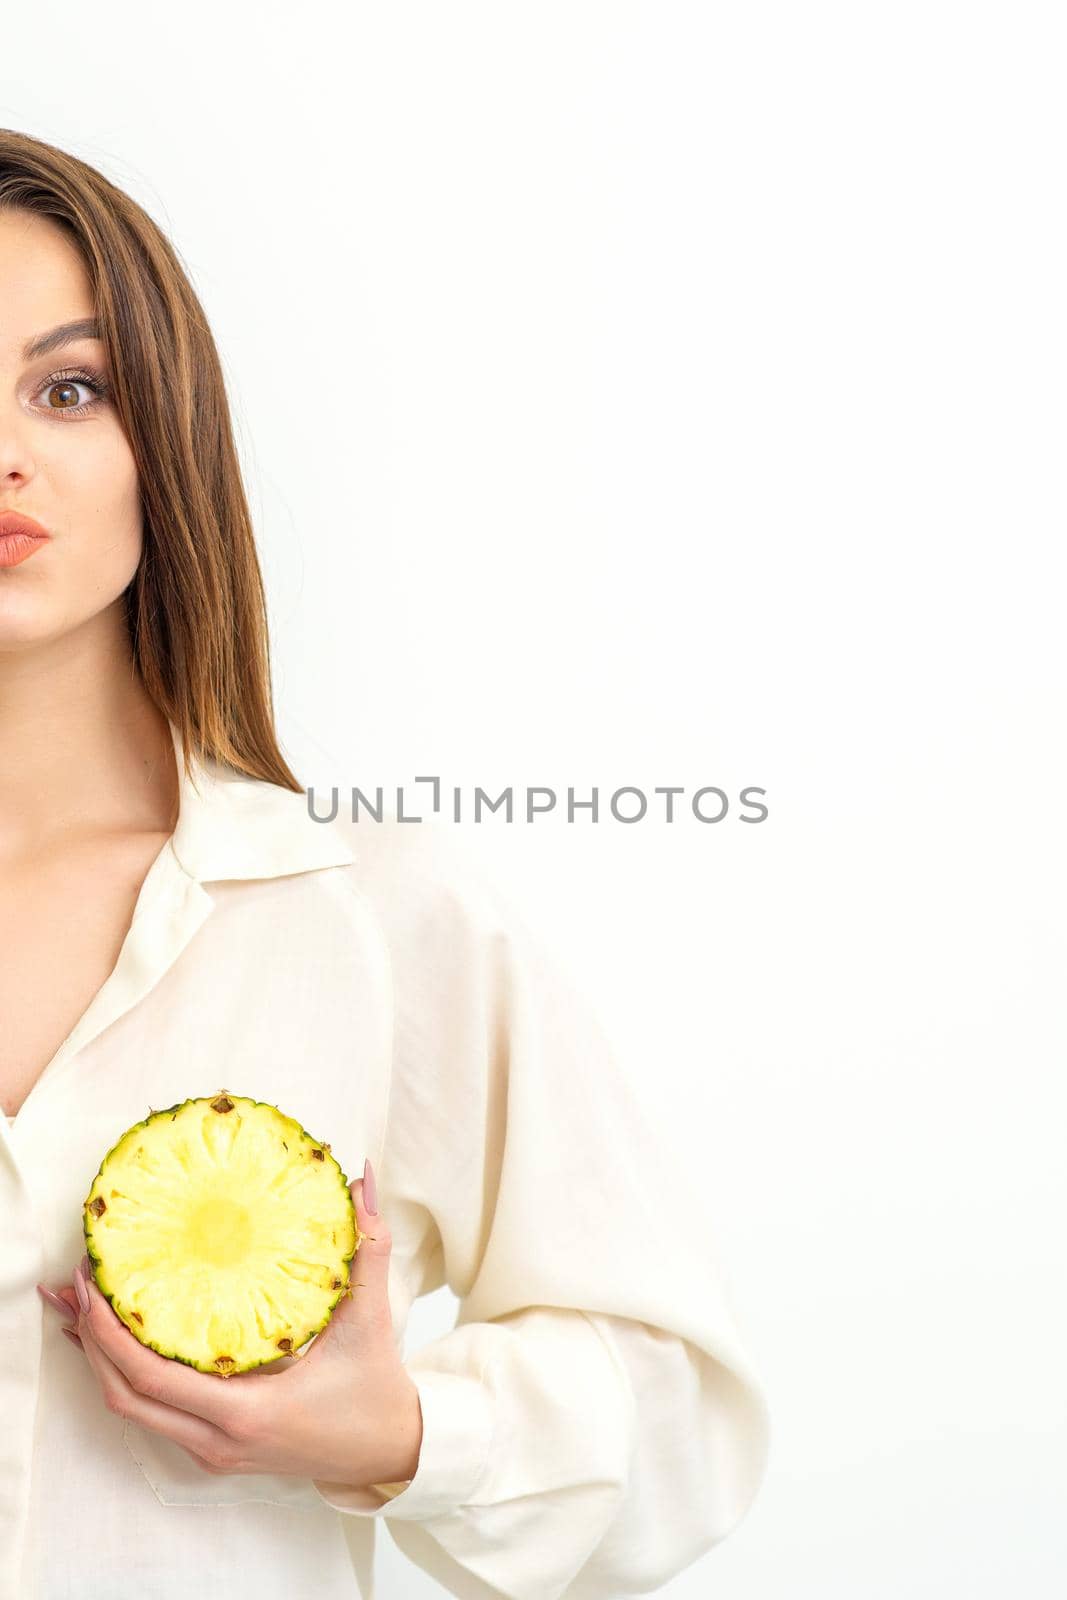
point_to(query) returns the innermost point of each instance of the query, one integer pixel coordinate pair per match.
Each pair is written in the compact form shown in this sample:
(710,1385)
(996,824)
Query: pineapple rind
(339,1266)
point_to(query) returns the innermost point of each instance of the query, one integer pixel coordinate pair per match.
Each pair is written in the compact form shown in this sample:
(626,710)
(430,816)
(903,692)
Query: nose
(16,453)
(18,441)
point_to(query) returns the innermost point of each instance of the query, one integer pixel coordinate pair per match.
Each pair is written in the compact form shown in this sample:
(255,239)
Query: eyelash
(93,380)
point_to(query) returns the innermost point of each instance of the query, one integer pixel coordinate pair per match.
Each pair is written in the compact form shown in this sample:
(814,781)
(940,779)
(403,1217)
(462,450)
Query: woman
(175,921)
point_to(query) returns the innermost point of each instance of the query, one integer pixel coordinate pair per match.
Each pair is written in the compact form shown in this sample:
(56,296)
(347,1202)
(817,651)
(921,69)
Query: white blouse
(591,1424)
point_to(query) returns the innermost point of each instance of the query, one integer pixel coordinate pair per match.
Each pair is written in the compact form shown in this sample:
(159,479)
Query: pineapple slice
(221,1233)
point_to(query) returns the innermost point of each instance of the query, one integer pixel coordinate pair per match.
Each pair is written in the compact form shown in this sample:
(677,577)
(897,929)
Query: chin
(24,622)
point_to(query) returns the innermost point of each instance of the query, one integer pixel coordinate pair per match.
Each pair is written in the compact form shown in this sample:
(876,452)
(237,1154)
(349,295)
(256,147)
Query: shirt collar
(231,825)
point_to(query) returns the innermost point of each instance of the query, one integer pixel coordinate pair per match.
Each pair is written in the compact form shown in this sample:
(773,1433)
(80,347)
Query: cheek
(89,486)
(98,490)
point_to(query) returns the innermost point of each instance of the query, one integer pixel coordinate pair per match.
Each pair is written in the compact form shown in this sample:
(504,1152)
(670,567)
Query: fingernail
(73,1337)
(370,1193)
(61,1305)
(82,1291)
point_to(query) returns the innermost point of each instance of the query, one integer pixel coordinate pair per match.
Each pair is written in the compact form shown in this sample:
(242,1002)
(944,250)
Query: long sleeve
(591,1424)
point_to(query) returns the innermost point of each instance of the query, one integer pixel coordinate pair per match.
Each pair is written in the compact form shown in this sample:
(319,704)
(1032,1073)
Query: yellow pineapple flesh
(221,1233)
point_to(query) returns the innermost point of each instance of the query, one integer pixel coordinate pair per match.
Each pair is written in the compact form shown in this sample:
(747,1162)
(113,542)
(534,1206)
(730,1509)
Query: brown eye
(67,393)
(61,392)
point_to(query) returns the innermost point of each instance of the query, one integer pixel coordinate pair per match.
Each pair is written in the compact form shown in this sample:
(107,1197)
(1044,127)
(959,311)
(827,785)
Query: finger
(171,1383)
(363,1314)
(59,1302)
(191,1432)
(270,1369)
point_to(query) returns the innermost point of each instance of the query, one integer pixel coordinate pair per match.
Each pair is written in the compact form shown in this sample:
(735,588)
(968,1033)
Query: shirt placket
(170,909)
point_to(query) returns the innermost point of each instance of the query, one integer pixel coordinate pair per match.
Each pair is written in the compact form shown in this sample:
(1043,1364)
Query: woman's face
(64,458)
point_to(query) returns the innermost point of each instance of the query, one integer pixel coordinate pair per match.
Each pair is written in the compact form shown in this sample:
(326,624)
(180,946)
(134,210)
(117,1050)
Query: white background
(674,394)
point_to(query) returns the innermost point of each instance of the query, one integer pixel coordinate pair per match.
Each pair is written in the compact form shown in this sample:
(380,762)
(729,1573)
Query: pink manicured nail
(61,1305)
(73,1337)
(81,1291)
(370,1193)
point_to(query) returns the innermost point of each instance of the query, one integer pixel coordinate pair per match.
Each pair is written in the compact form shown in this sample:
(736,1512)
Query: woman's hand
(346,1411)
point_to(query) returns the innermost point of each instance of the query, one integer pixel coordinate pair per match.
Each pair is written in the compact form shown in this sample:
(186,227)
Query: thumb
(362,1314)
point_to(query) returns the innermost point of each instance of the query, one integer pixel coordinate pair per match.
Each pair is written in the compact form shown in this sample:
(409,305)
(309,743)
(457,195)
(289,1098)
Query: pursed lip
(15,522)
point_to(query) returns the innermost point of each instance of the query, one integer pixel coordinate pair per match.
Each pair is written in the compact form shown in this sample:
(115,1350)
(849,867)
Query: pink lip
(19,537)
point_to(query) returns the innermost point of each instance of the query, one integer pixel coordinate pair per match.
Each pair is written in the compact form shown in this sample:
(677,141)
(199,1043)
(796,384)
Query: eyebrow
(65,333)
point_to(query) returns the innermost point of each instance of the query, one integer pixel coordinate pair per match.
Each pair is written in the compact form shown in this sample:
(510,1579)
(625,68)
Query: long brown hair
(196,606)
